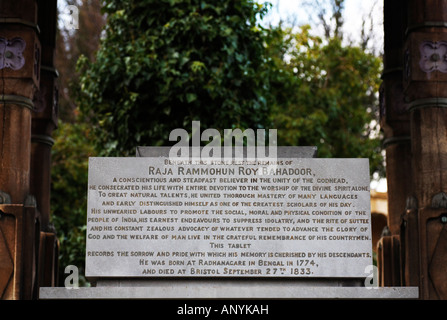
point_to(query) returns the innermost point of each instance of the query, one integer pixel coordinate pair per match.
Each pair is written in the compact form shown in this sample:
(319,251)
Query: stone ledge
(233,292)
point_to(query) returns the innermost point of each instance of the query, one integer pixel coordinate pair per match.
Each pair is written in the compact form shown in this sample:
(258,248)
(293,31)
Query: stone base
(238,291)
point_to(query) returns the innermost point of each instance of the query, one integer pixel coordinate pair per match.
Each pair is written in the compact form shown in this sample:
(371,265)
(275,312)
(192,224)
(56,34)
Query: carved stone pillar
(44,121)
(19,80)
(425,88)
(395,124)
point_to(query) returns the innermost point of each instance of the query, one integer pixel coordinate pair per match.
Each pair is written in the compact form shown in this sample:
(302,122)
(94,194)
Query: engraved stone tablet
(292,217)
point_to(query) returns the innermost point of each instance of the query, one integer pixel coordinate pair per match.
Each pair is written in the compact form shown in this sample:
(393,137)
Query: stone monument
(293,226)
(155,217)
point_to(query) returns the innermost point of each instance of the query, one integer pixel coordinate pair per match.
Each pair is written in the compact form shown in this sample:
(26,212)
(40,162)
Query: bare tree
(367,32)
(329,14)
(71,44)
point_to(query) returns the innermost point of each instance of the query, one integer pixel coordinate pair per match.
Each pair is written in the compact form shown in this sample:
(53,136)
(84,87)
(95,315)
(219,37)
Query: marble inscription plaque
(290,217)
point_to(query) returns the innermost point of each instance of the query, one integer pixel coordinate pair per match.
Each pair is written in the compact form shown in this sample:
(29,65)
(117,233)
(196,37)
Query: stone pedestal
(235,290)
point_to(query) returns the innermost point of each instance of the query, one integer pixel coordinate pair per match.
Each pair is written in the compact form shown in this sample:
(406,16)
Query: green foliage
(326,95)
(73,146)
(164,63)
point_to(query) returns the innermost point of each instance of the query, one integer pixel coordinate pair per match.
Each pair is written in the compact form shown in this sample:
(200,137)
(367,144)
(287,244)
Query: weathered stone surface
(238,290)
(152,217)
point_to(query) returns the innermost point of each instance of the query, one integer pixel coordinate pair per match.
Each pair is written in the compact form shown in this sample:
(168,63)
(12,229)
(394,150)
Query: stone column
(19,80)
(425,88)
(44,121)
(395,124)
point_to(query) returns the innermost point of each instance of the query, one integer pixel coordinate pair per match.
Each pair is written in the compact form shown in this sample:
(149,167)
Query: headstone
(294,217)
(291,227)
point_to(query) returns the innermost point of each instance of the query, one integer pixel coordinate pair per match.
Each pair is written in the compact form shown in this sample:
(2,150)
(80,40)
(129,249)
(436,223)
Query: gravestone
(288,227)
(294,217)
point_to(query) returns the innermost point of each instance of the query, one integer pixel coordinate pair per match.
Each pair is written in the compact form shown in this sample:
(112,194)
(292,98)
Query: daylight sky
(294,10)
(355,12)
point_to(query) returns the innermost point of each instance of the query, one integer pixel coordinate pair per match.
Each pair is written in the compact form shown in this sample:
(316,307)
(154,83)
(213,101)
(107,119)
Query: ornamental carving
(439,201)
(11,53)
(433,56)
(407,65)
